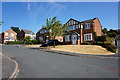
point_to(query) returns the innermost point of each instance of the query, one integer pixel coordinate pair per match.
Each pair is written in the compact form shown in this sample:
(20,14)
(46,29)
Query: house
(42,37)
(78,32)
(24,33)
(9,35)
(117,41)
(82,31)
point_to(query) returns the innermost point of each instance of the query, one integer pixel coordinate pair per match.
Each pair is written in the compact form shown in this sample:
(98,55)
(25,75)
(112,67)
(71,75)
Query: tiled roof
(28,31)
(88,21)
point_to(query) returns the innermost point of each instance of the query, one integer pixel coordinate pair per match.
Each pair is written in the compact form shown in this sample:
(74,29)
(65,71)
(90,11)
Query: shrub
(107,45)
(35,41)
(111,34)
(27,40)
(86,43)
(101,38)
(14,42)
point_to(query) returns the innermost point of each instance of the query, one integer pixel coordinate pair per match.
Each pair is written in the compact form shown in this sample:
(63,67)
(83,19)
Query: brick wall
(97,27)
(9,35)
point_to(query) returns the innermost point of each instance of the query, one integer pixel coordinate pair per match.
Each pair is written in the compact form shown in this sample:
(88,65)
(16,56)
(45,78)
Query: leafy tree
(27,40)
(104,30)
(112,34)
(54,28)
(17,30)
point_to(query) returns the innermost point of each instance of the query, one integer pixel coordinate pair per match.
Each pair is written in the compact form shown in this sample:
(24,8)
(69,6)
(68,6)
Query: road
(41,64)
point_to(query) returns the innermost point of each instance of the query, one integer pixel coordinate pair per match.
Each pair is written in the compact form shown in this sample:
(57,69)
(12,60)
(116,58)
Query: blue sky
(32,15)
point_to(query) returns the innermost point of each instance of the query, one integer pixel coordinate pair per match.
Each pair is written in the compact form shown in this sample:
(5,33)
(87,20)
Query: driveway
(41,64)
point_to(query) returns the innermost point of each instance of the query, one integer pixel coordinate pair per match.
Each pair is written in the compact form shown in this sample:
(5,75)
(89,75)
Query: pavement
(8,67)
(35,63)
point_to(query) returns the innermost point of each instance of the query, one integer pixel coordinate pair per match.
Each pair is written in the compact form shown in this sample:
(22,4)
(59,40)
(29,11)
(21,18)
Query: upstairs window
(71,28)
(76,26)
(12,34)
(6,34)
(43,31)
(87,26)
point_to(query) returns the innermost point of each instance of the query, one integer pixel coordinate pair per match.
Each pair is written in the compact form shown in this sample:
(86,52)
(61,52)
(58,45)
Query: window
(43,31)
(88,37)
(71,22)
(6,34)
(79,25)
(67,24)
(66,38)
(40,38)
(60,39)
(12,34)
(87,26)
(74,22)
(71,28)
(76,26)
(6,38)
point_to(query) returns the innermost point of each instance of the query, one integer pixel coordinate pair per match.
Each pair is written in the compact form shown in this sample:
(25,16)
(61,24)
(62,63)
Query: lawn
(84,49)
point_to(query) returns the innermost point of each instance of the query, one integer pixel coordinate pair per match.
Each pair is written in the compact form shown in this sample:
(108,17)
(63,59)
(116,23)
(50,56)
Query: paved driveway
(41,64)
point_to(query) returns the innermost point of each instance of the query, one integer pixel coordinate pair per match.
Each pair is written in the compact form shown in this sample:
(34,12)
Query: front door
(74,38)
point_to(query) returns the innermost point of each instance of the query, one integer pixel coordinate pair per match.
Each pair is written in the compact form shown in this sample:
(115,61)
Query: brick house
(42,37)
(24,33)
(82,31)
(9,35)
(78,32)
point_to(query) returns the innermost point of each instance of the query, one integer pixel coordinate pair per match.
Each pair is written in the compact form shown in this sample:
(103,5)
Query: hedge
(15,42)
(35,41)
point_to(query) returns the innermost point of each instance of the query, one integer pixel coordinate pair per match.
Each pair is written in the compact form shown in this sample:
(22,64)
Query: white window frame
(88,37)
(60,39)
(74,22)
(12,34)
(76,26)
(87,26)
(6,34)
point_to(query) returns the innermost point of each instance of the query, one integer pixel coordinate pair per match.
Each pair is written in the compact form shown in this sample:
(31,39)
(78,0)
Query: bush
(35,41)
(14,42)
(101,38)
(86,43)
(111,48)
(27,40)
(112,34)
(107,45)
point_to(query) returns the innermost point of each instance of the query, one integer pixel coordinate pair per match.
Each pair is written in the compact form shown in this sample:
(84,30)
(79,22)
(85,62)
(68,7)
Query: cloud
(28,6)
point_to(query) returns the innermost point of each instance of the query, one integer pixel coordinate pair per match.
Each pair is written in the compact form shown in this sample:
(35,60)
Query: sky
(32,15)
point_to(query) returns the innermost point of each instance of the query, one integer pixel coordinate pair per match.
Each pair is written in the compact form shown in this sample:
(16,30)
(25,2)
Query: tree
(17,30)
(54,28)
(27,40)
(113,34)
(104,30)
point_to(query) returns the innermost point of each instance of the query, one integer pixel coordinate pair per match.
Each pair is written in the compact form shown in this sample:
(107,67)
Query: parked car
(51,43)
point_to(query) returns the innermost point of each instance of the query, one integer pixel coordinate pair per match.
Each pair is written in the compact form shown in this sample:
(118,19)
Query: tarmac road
(41,64)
